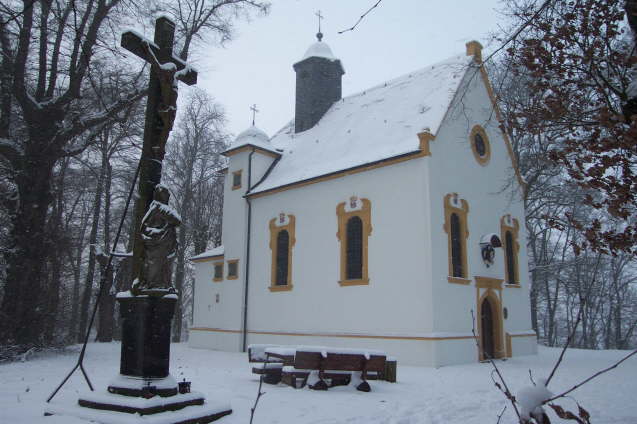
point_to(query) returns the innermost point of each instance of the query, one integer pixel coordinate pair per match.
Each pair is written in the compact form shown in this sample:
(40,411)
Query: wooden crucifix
(161,109)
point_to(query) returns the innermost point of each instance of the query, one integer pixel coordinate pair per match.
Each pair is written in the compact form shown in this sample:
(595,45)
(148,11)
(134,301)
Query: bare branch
(361,18)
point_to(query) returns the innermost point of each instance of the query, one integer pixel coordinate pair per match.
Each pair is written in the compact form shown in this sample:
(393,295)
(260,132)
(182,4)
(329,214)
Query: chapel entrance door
(488,330)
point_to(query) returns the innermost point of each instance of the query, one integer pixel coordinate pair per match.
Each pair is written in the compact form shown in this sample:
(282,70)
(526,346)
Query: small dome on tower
(319,49)
(252,135)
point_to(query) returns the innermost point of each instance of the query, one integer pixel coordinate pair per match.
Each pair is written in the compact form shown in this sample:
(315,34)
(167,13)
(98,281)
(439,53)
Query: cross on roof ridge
(319,34)
(254,110)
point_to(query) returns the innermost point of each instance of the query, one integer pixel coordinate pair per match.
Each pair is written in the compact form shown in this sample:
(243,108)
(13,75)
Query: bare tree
(194,175)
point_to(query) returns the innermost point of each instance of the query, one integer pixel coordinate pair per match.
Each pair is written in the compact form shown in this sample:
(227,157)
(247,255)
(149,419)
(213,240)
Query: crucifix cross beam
(320,17)
(161,111)
(161,48)
(254,110)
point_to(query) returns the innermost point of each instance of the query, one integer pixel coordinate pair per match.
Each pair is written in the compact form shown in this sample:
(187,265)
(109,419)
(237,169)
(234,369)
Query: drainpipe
(247,266)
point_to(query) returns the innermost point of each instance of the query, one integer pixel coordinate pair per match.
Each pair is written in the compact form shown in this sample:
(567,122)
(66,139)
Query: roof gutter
(244,341)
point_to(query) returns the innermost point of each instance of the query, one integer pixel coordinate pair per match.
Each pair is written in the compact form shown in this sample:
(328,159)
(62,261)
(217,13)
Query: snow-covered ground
(454,394)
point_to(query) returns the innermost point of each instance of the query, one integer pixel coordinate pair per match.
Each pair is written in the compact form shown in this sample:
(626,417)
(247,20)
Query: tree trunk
(107,302)
(24,302)
(90,272)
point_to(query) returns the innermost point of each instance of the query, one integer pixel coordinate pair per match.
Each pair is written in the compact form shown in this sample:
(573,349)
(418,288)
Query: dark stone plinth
(146,323)
(167,406)
(107,408)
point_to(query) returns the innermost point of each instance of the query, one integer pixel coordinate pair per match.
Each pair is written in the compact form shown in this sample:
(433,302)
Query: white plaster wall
(452,352)
(397,300)
(491,191)
(524,346)
(228,342)
(227,313)
(260,165)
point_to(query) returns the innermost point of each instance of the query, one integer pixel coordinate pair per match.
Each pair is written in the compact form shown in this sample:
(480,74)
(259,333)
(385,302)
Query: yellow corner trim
(425,137)
(474,49)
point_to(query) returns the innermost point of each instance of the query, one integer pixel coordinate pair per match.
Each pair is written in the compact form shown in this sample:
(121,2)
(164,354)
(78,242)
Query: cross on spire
(254,110)
(319,34)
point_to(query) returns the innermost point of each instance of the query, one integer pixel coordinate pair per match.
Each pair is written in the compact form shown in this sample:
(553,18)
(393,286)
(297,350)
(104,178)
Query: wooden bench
(270,360)
(337,366)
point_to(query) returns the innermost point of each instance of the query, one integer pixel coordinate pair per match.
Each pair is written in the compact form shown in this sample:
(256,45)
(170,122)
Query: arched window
(282,241)
(456,211)
(456,246)
(509,234)
(282,248)
(354,248)
(354,229)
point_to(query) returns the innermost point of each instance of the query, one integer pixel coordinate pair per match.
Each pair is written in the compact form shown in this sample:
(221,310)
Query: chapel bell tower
(318,84)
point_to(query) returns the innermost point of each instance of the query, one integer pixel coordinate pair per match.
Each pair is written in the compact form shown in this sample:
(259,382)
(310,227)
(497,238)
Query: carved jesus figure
(159,236)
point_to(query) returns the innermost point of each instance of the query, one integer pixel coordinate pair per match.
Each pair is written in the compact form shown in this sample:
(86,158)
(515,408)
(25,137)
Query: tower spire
(319,34)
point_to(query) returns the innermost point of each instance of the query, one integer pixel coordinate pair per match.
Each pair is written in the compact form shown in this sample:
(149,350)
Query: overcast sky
(397,37)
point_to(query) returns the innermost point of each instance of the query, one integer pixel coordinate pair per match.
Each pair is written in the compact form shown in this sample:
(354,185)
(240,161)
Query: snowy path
(457,394)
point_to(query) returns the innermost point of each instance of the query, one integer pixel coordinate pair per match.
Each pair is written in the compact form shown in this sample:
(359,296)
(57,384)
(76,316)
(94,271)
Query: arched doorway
(488,333)
(490,329)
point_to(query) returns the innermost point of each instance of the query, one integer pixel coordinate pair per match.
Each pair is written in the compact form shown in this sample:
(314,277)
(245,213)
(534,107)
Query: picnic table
(320,367)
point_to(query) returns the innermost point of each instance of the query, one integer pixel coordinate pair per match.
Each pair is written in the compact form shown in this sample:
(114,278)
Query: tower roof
(319,49)
(253,136)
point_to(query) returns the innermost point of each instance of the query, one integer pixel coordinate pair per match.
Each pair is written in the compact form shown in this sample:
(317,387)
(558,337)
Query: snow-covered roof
(319,49)
(376,124)
(217,251)
(253,136)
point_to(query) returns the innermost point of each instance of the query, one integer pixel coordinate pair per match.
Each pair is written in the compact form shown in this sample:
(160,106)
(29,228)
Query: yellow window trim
(462,212)
(290,227)
(365,215)
(233,261)
(508,223)
(276,289)
(214,266)
(458,280)
(488,282)
(482,160)
(239,172)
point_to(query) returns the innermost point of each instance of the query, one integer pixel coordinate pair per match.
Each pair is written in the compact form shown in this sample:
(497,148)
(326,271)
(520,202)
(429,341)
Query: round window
(480,145)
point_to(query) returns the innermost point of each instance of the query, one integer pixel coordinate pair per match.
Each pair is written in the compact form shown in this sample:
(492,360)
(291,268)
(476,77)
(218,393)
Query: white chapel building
(390,219)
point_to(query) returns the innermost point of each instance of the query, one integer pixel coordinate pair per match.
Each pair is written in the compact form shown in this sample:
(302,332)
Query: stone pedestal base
(144,392)
(146,323)
(107,408)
